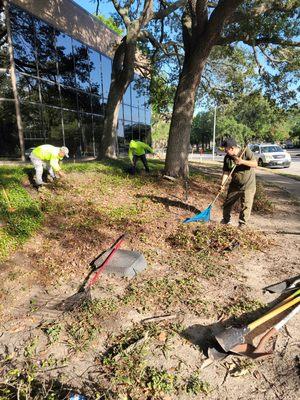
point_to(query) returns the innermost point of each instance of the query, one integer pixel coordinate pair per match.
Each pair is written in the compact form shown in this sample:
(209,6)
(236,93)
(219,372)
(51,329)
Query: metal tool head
(284,286)
(247,350)
(230,337)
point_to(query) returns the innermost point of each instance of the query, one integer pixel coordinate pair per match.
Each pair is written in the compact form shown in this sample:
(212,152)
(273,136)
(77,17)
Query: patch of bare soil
(199,277)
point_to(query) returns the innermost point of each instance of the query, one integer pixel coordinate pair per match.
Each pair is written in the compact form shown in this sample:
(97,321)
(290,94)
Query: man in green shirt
(47,157)
(137,150)
(242,185)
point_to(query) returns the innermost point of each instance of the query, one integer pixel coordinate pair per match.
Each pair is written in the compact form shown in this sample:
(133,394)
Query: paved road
(294,169)
(273,176)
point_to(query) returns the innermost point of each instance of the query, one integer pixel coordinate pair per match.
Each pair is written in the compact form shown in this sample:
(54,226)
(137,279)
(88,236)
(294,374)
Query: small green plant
(159,381)
(196,386)
(30,349)
(242,306)
(53,332)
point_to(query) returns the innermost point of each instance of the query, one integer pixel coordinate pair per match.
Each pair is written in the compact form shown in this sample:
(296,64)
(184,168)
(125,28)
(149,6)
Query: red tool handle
(115,247)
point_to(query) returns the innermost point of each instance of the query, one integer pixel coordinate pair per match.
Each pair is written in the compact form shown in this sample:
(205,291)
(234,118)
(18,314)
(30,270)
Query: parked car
(28,152)
(271,155)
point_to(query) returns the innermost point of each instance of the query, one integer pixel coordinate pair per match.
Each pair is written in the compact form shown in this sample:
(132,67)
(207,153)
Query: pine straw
(210,238)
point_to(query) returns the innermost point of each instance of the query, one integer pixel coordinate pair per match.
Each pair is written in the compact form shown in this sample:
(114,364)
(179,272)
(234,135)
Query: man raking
(242,185)
(47,157)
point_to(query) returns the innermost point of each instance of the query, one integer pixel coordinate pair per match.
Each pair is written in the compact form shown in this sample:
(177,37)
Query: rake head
(204,216)
(74,301)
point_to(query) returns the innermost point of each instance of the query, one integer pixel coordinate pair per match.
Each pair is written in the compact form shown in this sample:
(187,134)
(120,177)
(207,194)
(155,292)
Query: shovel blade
(231,337)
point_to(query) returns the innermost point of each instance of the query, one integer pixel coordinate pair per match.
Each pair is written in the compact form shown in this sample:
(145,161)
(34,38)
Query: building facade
(62,60)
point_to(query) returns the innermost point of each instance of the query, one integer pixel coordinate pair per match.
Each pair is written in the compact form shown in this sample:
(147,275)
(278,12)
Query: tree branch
(173,7)
(264,8)
(257,41)
(123,11)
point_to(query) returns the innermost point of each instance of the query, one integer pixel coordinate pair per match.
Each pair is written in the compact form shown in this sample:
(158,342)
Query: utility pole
(214,132)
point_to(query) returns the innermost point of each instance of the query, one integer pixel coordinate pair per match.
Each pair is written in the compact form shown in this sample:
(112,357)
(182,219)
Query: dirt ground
(146,338)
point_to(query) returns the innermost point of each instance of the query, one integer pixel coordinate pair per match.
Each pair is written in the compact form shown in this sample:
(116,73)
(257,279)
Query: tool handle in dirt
(272,314)
(114,248)
(228,177)
(290,297)
(6,197)
(276,328)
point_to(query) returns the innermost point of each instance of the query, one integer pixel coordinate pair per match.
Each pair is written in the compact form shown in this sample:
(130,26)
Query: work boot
(223,222)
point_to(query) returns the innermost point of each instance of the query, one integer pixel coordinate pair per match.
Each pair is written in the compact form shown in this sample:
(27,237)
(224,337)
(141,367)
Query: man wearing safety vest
(47,157)
(137,150)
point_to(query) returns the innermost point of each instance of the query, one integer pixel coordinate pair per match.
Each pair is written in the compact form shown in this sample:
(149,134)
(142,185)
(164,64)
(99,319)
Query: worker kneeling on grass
(47,157)
(137,150)
(243,183)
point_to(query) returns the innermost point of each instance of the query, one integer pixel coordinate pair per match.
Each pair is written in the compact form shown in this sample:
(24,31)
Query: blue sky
(106,7)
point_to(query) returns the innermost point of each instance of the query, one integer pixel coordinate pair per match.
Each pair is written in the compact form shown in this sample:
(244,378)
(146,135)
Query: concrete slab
(124,263)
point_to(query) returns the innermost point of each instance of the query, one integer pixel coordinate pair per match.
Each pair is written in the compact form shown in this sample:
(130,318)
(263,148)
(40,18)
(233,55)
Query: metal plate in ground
(124,263)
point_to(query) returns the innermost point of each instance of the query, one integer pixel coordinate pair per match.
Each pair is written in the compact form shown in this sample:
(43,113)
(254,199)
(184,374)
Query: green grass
(20,224)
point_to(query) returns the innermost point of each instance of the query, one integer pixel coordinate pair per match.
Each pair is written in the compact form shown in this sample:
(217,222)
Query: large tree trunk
(200,33)
(182,117)
(122,75)
(108,139)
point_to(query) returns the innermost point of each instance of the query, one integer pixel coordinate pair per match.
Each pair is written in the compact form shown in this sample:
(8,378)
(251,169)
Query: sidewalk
(283,182)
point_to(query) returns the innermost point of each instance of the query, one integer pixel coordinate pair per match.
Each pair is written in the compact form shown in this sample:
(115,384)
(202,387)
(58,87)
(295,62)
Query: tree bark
(122,75)
(182,117)
(200,35)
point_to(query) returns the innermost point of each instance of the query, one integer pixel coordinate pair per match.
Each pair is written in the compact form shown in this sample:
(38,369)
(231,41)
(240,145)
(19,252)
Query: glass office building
(62,86)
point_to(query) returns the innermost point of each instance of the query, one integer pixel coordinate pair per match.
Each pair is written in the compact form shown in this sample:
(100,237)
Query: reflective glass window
(148,116)
(96,105)
(98,130)
(68,98)
(46,53)
(86,124)
(120,129)
(28,88)
(135,94)
(106,74)
(95,72)
(145,133)
(65,59)
(136,131)
(121,115)
(127,131)
(23,40)
(135,114)
(72,133)
(127,96)
(4,56)
(82,67)
(84,102)
(52,124)
(5,87)
(50,93)
(9,138)
(32,121)
(127,112)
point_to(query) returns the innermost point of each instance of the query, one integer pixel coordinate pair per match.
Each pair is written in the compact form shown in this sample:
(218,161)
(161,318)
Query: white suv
(271,155)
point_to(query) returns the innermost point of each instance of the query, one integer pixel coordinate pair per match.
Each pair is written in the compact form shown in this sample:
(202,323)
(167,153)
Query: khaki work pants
(246,196)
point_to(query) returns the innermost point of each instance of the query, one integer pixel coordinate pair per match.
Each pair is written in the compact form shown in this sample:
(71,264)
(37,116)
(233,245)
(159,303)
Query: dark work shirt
(243,176)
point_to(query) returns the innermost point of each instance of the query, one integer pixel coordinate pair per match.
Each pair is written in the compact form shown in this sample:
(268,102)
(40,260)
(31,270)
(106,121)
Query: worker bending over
(47,157)
(137,150)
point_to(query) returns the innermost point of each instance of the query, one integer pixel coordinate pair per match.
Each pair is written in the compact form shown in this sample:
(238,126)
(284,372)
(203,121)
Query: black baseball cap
(229,142)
